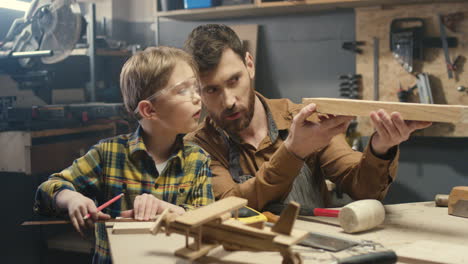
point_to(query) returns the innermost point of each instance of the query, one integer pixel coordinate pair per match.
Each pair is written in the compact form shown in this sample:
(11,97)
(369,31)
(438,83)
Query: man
(266,151)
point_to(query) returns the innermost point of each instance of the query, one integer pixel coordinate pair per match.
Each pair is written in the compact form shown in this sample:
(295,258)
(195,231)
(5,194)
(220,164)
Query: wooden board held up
(409,111)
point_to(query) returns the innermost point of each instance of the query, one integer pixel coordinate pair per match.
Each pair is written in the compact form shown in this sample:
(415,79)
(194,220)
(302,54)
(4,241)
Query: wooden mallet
(357,216)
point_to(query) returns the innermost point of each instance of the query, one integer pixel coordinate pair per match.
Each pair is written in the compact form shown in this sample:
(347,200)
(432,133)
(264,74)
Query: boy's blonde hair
(149,71)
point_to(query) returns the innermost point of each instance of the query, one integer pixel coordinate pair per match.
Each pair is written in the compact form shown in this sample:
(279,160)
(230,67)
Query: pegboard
(375,22)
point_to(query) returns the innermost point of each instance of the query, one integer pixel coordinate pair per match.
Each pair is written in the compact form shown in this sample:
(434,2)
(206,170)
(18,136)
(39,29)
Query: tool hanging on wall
(353,46)
(349,86)
(376,68)
(404,95)
(451,20)
(424,90)
(407,41)
(443,38)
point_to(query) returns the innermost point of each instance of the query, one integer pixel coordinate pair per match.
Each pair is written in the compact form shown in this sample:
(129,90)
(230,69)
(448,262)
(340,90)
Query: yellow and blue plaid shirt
(122,165)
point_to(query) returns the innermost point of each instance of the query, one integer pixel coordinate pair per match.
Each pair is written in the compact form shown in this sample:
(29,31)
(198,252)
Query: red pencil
(104,205)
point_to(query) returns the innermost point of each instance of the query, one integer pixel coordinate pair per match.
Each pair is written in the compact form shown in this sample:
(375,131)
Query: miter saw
(49,29)
(46,34)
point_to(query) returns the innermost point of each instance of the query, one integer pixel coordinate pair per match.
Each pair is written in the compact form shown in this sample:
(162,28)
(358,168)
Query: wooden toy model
(212,225)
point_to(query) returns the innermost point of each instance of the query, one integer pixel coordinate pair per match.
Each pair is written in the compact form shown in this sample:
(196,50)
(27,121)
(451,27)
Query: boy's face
(227,92)
(178,106)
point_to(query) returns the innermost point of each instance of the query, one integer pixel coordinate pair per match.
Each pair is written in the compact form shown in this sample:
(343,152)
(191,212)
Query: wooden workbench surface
(416,230)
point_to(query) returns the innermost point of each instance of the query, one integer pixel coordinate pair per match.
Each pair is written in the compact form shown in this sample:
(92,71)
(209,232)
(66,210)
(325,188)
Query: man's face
(227,92)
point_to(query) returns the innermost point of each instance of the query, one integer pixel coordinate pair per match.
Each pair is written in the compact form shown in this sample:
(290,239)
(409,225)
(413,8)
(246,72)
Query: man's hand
(305,137)
(78,206)
(391,130)
(147,206)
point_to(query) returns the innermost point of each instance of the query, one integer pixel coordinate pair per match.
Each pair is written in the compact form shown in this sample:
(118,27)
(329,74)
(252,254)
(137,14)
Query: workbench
(415,231)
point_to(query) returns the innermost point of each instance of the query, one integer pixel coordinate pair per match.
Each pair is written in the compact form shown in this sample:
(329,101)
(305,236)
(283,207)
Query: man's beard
(235,126)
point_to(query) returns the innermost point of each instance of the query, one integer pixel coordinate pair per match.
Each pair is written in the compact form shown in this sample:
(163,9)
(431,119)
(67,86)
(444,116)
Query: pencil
(104,205)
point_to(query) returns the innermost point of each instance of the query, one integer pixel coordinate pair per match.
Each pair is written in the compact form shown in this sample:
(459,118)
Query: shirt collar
(136,145)
(272,128)
(135,142)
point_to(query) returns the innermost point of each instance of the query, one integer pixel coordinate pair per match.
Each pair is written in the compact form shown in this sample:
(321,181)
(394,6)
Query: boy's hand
(147,206)
(78,206)
(305,137)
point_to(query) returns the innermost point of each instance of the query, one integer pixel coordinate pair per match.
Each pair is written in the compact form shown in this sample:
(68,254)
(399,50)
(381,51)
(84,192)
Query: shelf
(283,8)
(101,52)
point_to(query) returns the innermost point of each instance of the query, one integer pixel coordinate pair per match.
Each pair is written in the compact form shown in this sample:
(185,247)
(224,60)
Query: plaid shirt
(122,165)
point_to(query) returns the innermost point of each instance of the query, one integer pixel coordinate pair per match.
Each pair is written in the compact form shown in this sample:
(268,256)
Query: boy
(152,167)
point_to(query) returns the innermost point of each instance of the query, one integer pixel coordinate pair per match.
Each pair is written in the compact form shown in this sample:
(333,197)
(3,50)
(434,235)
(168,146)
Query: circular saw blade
(61,27)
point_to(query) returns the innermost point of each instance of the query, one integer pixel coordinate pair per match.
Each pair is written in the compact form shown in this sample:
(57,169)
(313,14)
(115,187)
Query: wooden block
(428,251)
(409,111)
(287,218)
(132,227)
(192,254)
(458,201)
(210,212)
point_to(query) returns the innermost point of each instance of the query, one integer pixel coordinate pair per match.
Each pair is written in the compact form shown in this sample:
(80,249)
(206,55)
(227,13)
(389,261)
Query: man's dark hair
(206,43)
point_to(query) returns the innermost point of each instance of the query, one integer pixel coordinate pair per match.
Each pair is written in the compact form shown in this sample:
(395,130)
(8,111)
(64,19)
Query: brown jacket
(360,175)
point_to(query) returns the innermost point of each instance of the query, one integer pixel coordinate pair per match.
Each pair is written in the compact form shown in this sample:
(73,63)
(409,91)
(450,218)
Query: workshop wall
(297,56)
(375,22)
(429,166)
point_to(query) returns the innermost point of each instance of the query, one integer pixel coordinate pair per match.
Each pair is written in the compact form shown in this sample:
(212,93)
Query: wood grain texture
(427,251)
(375,22)
(404,224)
(458,201)
(132,227)
(409,111)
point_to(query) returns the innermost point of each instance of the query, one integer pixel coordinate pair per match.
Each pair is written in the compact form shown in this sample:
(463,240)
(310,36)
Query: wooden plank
(132,227)
(409,111)
(210,212)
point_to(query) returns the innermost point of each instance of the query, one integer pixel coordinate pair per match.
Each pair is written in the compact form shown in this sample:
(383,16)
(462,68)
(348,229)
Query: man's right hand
(78,206)
(306,137)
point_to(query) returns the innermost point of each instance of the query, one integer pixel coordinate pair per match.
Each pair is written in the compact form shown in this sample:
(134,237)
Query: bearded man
(266,151)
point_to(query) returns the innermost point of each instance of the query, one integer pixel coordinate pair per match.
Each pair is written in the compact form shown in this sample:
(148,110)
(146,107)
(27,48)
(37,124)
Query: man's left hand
(391,130)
